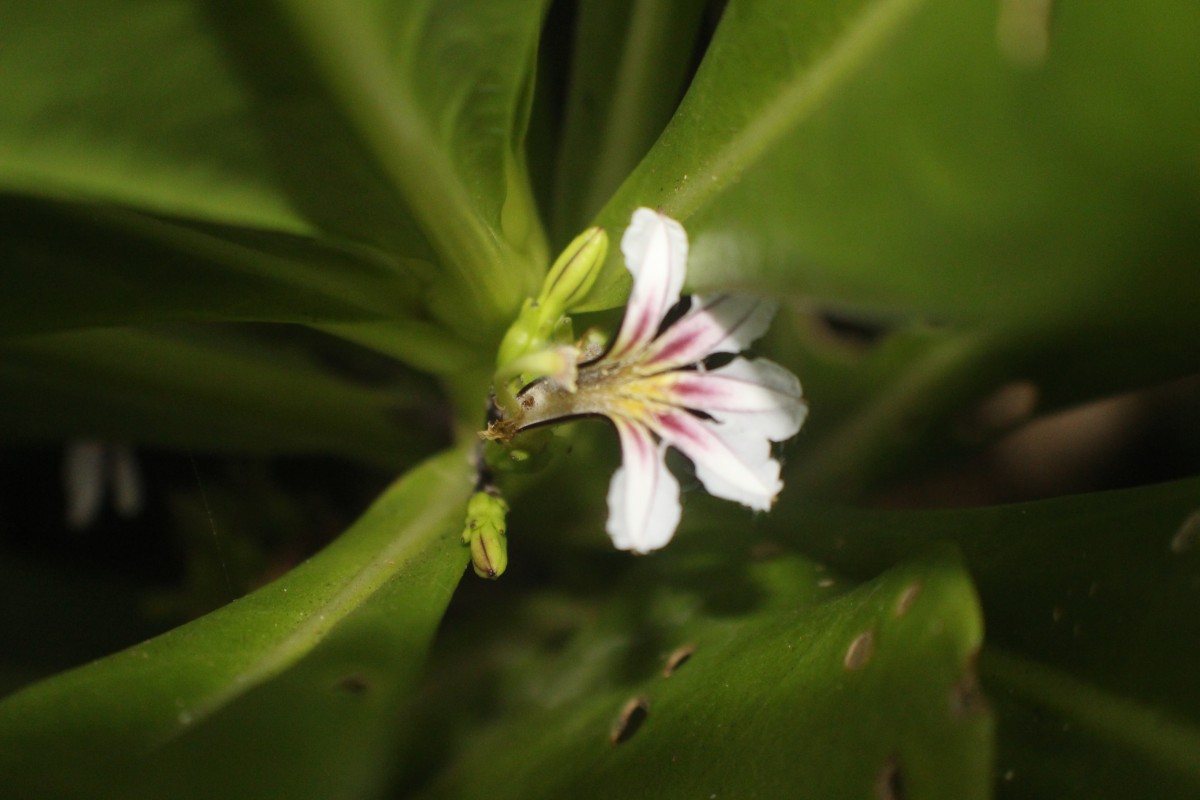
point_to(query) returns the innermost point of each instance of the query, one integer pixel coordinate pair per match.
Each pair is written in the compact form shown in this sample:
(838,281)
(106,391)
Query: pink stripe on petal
(655,249)
(637,328)
(721,324)
(757,395)
(744,386)
(735,464)
(643,498)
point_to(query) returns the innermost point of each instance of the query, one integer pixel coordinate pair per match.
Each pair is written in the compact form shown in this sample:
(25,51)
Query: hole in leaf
(857,332)
(766,551)
(677,659)
(966,698)
(1188,534)
(860,651)
(632,716)
(890,783)
(354,684)
(907,598)
(1023,31)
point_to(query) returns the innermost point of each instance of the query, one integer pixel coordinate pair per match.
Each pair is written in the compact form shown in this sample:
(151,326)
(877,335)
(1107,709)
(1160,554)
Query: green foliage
(303,227)
(961,181)
(199,388)
(1081,596)
(293,688)
(758,676)
(342,127)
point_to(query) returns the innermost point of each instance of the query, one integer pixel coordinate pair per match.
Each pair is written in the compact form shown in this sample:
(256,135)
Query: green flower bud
(485,533)
(574,273)
(571,277)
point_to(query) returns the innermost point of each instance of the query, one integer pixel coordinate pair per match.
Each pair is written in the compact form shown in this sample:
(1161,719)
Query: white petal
(725,323)
(83,482)
(758,396)
(643,498)
(655,249)
(731,462)
(126,480)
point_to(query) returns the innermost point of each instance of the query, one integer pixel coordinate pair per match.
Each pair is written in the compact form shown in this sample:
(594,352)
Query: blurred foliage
(752,667)
(272,249)
(336,631)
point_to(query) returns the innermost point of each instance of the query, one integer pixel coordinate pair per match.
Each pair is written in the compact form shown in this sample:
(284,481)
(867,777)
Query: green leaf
(627,73)
(54,616)
(211,390)
(1089,601)
(123,267)
(796,685)
(438,99)
(922,397)
(290,691)
(392,132)
(139,106)
(910,157)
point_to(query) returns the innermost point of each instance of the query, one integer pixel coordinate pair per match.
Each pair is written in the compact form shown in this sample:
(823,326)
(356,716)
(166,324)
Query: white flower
(89,467)
(653,386)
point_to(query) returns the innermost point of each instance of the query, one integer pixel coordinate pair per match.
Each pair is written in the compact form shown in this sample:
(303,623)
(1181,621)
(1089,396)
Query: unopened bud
(544,319)
(574,273)
(486,535)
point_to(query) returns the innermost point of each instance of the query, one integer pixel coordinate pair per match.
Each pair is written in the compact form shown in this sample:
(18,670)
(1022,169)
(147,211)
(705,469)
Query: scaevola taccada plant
(651,383)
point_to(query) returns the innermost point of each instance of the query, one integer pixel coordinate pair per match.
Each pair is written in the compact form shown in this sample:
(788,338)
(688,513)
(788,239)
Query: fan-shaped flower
(653,385)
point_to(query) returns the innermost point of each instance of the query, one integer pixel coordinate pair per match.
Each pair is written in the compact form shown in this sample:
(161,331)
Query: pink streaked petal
(643,498)
(724,323)
(757,395)
(655,249)
(731,463)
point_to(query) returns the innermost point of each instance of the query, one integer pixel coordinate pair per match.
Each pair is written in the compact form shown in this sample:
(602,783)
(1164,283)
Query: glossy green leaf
(783,682)
(200,390)
(628,68)
(391,132)
(1005,190)
(136,105)
(1090,602)
(290,691)
(75,266)
(926,157)
(438,97)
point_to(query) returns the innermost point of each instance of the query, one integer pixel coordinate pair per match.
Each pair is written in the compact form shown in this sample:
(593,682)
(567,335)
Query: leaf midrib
(355,591)
(389,122)
(865,35)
